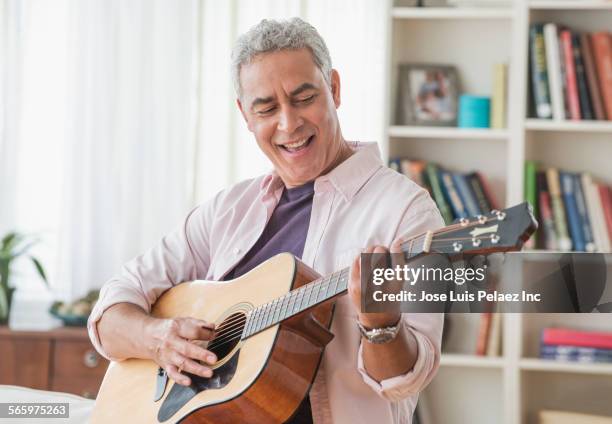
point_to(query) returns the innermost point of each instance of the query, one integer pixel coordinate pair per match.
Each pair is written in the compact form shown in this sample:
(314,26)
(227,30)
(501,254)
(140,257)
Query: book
(565,40)
(575,353)
(452,196)
(602,52)
(584,97)
(566,108)
(539,76)
(591,76)
(551,42)
(570,337)
(487,191)
(498,99)
(606,206)
(563,417)
(587,230)
(531,195)
(595,212)
(479,192)
(564,243)
(466,194)
(436,188)
(483,333)
(571,208)
(395,165)
(548,234)
(494,342)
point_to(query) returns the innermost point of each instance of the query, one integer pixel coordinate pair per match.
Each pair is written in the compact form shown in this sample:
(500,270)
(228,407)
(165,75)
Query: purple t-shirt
(285,232)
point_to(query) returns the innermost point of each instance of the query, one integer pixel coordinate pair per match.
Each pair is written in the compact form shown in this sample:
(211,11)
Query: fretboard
(296,301)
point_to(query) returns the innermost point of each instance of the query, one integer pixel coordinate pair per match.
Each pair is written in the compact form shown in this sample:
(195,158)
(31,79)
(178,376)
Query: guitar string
(325,283)
(226,338)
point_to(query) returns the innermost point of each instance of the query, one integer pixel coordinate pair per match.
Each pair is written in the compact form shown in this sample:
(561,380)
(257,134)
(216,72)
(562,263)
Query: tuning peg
(481,219)
(457,246)
(464,222)
(494,238)
(476,242)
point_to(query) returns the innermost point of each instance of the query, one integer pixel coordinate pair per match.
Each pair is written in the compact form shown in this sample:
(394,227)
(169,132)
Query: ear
(239,103)
(335,87)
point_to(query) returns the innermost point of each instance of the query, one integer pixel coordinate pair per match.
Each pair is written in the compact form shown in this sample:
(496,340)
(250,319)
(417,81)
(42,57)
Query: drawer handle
(91,359)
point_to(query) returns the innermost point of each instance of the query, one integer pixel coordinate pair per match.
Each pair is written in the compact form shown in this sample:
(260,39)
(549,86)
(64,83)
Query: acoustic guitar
(272,325)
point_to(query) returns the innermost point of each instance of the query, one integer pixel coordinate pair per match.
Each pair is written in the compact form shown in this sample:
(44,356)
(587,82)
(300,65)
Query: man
(326,201)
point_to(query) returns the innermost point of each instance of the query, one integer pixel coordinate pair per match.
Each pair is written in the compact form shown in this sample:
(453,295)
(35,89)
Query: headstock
(498,231)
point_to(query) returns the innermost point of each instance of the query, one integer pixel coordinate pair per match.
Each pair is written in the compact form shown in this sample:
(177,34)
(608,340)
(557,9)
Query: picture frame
(427,95)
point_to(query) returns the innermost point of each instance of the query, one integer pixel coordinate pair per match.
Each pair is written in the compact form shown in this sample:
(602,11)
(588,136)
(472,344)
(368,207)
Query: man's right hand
(172,347)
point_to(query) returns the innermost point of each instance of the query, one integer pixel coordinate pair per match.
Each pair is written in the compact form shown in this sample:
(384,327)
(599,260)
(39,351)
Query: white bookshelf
(509,389)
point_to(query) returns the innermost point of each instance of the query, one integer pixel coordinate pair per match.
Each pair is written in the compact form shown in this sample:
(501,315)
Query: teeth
(296,144)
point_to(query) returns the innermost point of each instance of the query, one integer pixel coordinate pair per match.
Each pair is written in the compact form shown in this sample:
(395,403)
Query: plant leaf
(40,269)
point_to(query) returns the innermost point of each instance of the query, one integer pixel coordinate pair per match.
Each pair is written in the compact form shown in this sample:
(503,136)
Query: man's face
(291,111)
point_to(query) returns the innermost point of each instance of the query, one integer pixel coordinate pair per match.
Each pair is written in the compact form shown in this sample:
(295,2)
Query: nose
(289,119)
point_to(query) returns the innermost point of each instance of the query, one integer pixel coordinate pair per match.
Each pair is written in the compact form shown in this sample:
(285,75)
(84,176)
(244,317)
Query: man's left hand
(371,320)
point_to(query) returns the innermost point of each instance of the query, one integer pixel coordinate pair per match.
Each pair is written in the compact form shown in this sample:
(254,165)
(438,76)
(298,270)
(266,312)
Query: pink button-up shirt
(358,204)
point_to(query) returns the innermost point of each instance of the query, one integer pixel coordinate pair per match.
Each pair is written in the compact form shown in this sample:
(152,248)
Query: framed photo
(427,95)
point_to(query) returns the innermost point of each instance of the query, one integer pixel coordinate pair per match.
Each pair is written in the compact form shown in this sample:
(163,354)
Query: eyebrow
(265,100)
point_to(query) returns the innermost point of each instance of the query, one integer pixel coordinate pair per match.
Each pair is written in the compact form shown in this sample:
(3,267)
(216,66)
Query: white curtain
(118,116)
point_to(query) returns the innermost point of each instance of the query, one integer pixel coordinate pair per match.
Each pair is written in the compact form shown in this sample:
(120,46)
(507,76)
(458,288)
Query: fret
(302,295)
(290,304)
(321,292)
(296,305)
(275,315)
(270,314)
(336,285)
(247,327)
(283,310)
(309,289)
(260,317)
(253,325)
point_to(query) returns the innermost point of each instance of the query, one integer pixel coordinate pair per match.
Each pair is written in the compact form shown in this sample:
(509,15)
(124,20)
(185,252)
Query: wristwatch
(379,335)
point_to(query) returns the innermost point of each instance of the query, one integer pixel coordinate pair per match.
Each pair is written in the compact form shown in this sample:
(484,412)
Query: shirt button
(237,251)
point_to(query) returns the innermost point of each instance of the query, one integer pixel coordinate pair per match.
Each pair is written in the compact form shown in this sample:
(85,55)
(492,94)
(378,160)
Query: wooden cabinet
(60,360)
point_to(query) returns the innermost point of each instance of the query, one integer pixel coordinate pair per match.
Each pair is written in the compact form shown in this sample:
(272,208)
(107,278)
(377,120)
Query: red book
(570,74)
(606,205)
(602,52)
(564,336)
(487,191)
(591,76)
(483,333)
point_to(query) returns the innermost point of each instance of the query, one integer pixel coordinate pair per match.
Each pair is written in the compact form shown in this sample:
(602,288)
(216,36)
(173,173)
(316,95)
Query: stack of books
(574,212)
(563,344)
(571,73)
(457,195)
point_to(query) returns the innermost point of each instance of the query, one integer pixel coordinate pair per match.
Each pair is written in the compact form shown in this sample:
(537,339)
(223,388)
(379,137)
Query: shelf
(568,126)
(571,5)
(569,367)
(447,132)
(451,13)
(473,361)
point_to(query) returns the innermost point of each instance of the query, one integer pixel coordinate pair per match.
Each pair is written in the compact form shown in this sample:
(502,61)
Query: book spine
(587,229)
(498,104)
(551,42)
(606,206)
(583,90)
(595,212)
(478,190)
(530,195)
(591,76)
(483,333)
(395,165)
(539,77)
(602,49)
(570,75)
(452,195)
(563,240)
(566,107)
(575,350)
(487,191)
(466,194)
(432,176)
(573,219)
(494,343)
(549,237)
(563,336)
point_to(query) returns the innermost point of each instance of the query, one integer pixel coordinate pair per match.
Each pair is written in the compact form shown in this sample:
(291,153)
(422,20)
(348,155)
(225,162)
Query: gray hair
(270,35)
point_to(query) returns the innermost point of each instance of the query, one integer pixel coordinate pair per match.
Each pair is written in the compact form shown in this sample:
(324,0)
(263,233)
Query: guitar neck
(296,301)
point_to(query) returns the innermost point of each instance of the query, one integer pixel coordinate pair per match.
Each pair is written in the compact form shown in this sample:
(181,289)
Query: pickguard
(179,395)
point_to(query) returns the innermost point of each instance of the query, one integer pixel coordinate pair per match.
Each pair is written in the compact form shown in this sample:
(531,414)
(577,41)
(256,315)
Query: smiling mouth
(298,145)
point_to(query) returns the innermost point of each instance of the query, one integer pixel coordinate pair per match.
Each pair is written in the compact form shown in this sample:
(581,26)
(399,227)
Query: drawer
(77,368)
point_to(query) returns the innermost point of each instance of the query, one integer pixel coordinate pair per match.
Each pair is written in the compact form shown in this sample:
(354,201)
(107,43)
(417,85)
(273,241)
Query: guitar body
(262,378)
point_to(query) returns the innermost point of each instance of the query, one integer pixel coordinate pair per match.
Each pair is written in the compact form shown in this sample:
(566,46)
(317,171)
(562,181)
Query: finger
(195,329)
(185,364)
(192,350)
(396,246)
(175,375)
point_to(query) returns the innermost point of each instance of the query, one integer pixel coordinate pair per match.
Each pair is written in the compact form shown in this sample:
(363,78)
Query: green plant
(14,245)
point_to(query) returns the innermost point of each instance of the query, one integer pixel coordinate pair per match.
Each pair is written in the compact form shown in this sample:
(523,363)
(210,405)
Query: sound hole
(227,335)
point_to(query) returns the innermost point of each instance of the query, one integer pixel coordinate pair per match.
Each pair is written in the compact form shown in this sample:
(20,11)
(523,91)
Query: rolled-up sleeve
(426,327)
(180,256)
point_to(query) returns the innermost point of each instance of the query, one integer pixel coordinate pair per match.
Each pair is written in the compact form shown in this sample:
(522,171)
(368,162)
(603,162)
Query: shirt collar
(347,178)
